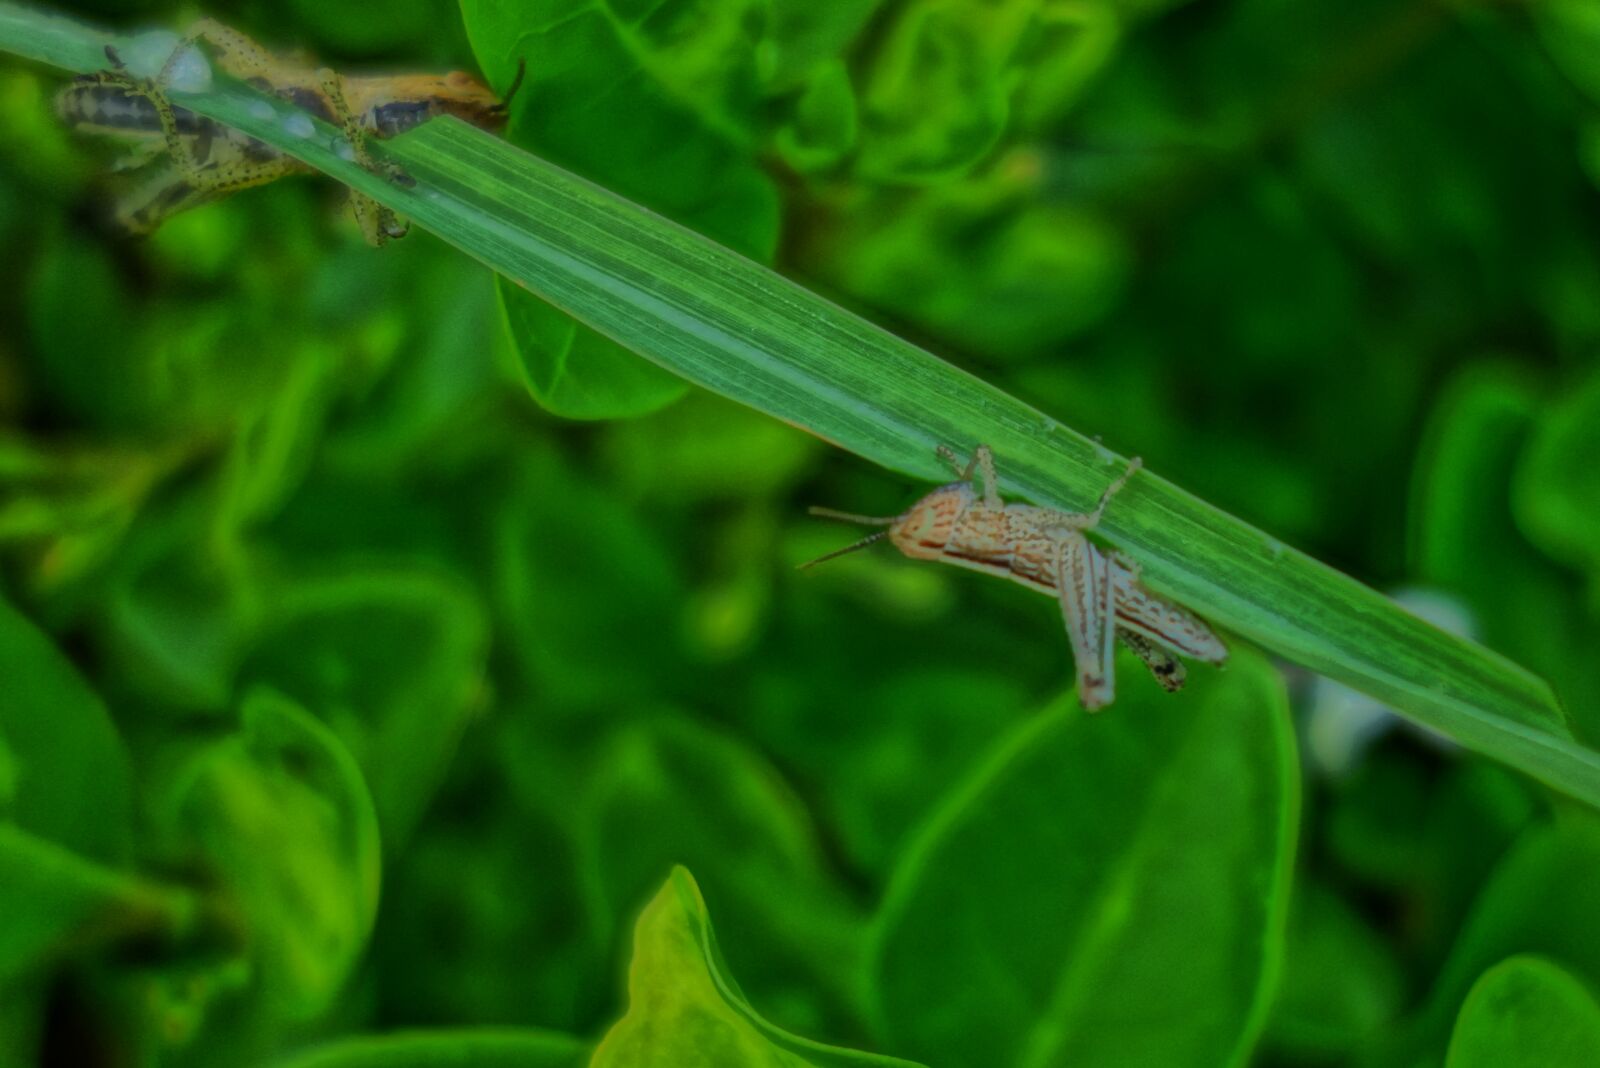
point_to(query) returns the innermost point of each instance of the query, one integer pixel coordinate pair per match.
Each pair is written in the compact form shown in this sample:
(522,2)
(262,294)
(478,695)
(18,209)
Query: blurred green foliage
(376,640)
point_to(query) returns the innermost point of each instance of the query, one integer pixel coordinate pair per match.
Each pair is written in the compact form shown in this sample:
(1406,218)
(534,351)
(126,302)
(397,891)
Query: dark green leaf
(54,903)
(1540,900)
(1571,30)
(1558,483)
(704,449)
(1341,980)
(392,658)
(485,1048)
(580,576)
(979,263)
(1096,874)
(64,773)
(180,616)
(1526,604)
(491,900)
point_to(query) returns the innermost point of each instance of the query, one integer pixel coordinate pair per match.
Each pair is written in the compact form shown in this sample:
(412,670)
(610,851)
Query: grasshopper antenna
(862,544)
(851,517)
(516,83)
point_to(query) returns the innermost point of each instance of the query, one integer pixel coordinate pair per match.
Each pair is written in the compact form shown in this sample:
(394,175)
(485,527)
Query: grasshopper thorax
(926,528)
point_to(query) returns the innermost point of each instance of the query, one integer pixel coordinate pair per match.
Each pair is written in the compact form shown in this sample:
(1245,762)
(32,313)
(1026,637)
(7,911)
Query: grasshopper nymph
(1099,591)
(205,160)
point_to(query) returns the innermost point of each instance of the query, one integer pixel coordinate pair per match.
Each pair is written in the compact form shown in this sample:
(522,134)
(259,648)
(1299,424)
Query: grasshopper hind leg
(174,189)
(1083,585)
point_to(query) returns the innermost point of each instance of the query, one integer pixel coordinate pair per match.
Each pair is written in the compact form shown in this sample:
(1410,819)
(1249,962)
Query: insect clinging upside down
(197,160)
(1098,589)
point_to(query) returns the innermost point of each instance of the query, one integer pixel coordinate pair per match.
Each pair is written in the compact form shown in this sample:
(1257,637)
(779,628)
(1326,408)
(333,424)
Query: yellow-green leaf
(684,1008)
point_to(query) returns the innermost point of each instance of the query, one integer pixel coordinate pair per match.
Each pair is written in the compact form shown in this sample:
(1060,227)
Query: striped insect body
(1102,600)
(193,160)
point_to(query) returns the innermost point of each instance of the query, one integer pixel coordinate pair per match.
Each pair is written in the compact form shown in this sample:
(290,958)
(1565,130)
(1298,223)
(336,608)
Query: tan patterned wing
(1141,612)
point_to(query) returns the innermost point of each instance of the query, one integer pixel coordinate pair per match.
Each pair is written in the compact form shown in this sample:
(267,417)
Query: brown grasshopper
(1099,591)
(206,161)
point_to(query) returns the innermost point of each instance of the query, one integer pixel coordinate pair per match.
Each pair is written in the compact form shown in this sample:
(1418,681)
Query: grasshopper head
(468,99)
(394,105)
(926,527)
(921,531)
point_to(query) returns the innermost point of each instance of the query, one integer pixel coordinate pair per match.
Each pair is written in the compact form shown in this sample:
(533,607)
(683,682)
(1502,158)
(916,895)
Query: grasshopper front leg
(983,463)
(377,222)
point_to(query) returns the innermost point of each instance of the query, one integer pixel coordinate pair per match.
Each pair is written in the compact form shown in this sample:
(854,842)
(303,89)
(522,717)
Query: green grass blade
(739,329)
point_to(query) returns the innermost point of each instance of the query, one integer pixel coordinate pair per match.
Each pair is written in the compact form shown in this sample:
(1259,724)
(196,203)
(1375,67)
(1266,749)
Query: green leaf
(273,447)
(22,1021)
(392,658)
(1094,873)
(281,815)
(446,375)
(667,790)
(692,59)
(1571,31)
(879,749)
(803,37)
(1426,838)
(1071,44)
(1527,1012)
(731,326)
(704,448)
(1557,489)
(643,106)
(486,895)
(825,124)
(64,774)
(573,371)
(180,615)
(404,23)
(79,316)
(476,1048)
(937,97)
(1341,980)
(1540,900)
(684,1008)
(979,262)
(1527,605)
(54,902)
(580,575)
